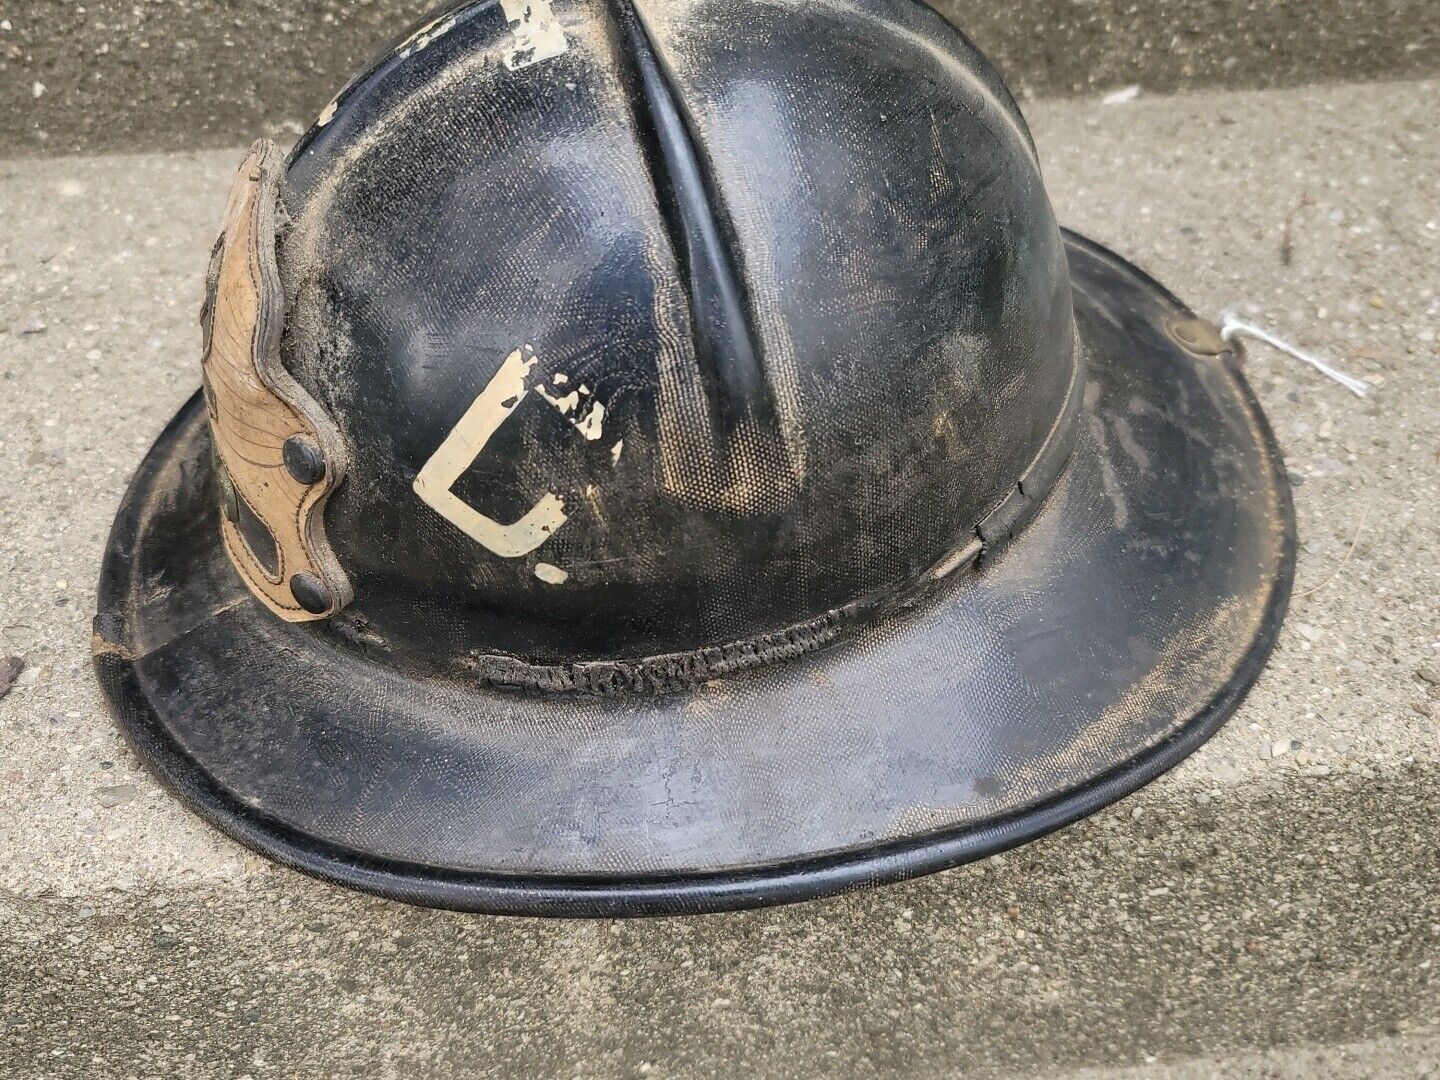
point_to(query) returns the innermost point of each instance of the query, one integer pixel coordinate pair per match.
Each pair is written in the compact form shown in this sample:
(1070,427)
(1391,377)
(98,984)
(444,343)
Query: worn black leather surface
(788,325)
(801,254)
(1107,641)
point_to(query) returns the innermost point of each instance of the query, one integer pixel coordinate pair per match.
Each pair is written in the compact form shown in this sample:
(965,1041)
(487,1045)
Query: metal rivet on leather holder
(1198,336)
(310,593)
(304,460)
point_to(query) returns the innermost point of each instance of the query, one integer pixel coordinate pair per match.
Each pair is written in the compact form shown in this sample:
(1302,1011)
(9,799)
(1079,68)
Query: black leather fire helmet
(662,457)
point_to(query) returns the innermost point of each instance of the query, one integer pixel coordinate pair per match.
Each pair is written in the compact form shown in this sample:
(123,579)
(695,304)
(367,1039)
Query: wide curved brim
(1107,642)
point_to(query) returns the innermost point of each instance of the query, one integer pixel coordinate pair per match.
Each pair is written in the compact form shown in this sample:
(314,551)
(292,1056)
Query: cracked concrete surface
(1270,905)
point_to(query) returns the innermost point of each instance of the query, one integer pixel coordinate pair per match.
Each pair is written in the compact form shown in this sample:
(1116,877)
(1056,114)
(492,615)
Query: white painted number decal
(467,440)
(460,449)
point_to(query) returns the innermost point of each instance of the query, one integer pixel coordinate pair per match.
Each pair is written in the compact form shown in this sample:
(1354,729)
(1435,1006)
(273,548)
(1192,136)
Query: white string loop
(1232,326)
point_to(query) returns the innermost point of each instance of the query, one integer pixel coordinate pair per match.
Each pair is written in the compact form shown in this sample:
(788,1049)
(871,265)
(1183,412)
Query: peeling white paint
(590,422)
(563,405)
(501,396)
(551,575)
(426,36)
(538,34)
(591,425)
(508,387)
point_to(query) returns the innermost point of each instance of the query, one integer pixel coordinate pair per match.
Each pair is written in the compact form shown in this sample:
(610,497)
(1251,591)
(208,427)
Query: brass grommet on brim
(1199,336)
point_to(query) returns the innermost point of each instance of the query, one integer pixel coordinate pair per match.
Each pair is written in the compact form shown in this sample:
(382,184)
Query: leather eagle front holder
(277,455)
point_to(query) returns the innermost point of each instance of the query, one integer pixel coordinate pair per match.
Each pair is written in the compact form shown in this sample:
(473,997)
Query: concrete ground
(124,76)
(1269,909)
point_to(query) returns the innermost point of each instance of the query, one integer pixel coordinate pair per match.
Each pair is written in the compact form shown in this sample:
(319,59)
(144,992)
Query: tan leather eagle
(278,455)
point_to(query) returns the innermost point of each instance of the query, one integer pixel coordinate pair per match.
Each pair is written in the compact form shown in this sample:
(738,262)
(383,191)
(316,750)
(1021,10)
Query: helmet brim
(1108,641)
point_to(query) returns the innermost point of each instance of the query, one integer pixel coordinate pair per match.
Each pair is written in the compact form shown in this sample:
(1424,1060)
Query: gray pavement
(122,76)
(1270,908)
